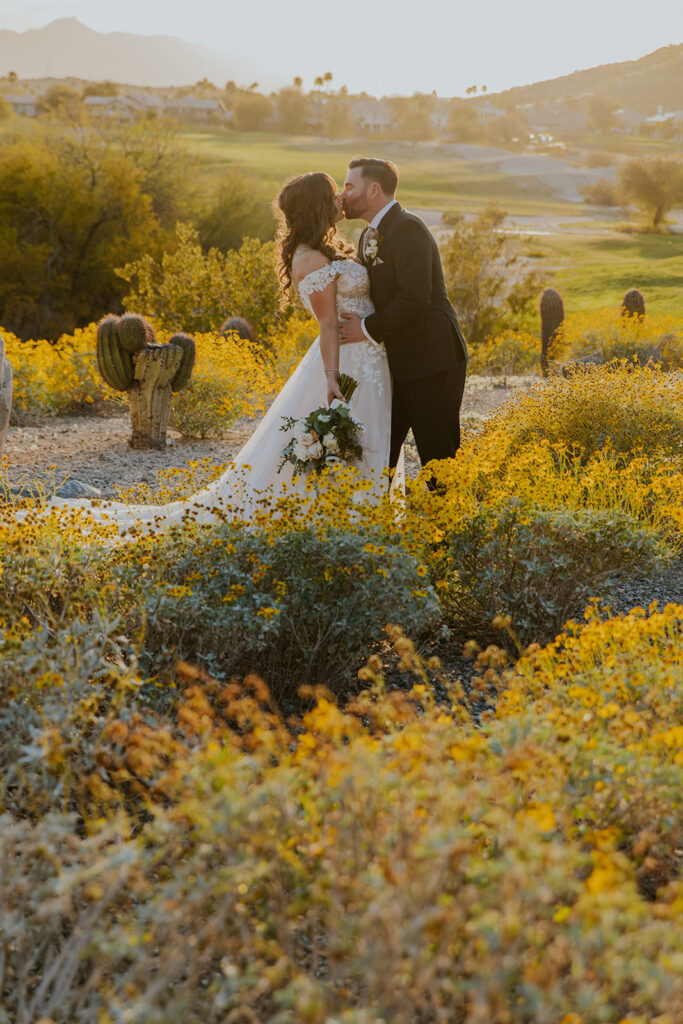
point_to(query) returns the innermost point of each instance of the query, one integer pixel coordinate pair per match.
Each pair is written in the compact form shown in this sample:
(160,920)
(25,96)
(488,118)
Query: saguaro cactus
(130,360)
(552,316)
(633,303)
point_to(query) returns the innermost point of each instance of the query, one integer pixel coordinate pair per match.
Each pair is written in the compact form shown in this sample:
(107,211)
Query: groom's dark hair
(384,172)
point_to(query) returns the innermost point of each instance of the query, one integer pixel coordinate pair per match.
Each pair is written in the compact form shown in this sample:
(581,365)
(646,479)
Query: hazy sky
(389,47)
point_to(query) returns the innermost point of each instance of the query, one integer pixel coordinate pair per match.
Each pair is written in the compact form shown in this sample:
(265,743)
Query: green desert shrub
(58,890)
(392,861)
(298,607)
(512,352)
(535,565)
(621,407)
(48,576)
(58,690)
(190,290)
(612,335)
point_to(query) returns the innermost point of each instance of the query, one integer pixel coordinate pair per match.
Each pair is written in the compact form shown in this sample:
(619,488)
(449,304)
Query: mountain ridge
(650,81)
(66,48)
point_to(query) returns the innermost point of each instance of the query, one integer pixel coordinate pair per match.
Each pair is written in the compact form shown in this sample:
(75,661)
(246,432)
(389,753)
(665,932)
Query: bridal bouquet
(326,437)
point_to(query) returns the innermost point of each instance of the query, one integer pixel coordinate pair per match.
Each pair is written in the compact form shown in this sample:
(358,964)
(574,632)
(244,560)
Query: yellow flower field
(245,776)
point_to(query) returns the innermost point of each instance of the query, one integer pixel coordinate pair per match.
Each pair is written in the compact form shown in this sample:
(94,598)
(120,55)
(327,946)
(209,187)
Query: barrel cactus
(633,303)
(130,360)
(552,316)
(184,371)
(113,361)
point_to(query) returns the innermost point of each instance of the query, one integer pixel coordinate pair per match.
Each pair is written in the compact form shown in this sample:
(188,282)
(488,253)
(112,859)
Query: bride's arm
(324,305)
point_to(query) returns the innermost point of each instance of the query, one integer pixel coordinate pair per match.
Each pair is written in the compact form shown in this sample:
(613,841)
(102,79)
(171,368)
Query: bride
(318,264)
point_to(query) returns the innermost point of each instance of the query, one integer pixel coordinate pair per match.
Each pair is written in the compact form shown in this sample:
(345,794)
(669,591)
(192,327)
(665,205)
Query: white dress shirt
(374,223)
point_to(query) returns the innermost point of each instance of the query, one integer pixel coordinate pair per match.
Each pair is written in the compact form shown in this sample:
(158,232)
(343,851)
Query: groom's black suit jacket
(413,316)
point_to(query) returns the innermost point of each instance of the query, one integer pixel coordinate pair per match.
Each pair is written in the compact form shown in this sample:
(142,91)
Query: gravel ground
(95,452)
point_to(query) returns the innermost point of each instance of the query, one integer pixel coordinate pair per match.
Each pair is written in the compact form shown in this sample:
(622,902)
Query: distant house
(553,117)
(488,112)
(123,108)
(662,116)
(628,119)
(147,101)
(371,116)
(25,105)
(194,108)
(440,116)
(315,115)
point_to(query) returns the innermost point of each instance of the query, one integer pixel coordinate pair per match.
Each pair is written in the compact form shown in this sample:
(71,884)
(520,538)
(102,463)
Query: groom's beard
(352,213)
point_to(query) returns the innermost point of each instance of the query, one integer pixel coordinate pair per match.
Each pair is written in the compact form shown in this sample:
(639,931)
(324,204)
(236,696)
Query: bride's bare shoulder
(305,261)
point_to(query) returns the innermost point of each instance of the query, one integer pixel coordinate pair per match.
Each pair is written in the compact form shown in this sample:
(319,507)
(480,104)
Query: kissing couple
(385,320)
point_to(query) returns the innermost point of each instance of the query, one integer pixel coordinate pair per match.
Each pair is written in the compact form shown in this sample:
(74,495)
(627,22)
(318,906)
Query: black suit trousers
(431,408)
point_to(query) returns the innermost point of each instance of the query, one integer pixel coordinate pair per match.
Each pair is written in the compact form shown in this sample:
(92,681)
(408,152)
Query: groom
(413,317)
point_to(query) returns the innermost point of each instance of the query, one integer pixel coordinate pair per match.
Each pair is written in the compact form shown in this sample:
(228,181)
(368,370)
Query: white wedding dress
(252,481)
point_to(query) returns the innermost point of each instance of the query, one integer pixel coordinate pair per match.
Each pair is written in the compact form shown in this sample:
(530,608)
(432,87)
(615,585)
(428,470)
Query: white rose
(306,439)
(315,450)
(331,443)
(301,452)
(324,418)
(300,429)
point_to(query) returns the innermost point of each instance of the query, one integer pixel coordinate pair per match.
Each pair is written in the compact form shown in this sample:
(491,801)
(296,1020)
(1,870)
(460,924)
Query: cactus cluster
(130,359)
(552,316)
(633,303)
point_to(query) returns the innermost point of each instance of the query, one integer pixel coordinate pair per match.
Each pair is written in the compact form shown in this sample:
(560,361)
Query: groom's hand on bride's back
(350,329)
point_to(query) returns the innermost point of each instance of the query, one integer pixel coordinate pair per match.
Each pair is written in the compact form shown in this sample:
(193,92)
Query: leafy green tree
(602,113)
(653,184)
(413,116)
(71,209)
(293,108)
(189,289)
(239,208)
(463,121)
(100,89)
(252,112)
(507,128)
(166,169)
(61,100)
(337,118)
(485,278)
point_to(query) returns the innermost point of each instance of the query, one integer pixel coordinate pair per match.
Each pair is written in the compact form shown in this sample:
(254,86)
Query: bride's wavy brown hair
(308,213)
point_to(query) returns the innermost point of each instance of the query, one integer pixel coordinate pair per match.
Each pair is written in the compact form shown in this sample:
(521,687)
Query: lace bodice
(353,287)
(364,360)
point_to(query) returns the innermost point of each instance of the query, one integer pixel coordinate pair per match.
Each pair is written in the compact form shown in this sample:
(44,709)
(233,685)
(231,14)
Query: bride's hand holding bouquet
(326,437)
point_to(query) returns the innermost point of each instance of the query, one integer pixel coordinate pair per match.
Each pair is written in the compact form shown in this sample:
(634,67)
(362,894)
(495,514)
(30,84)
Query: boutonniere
(371,249)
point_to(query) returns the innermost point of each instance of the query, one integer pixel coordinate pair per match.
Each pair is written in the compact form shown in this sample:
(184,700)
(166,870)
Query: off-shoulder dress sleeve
(317,281)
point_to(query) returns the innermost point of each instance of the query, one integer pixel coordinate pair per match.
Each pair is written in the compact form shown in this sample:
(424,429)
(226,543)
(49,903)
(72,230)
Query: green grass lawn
(430,176)
(593,272)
